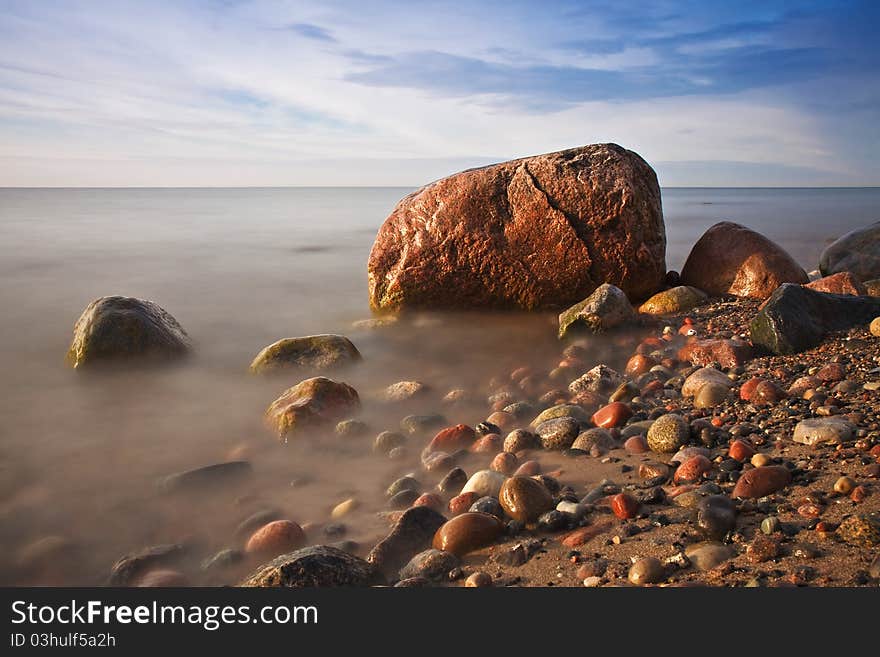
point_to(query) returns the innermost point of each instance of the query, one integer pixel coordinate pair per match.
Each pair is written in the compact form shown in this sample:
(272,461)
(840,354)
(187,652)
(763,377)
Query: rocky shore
(732,437)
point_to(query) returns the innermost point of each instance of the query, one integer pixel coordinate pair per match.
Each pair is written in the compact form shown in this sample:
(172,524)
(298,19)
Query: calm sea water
(241,268)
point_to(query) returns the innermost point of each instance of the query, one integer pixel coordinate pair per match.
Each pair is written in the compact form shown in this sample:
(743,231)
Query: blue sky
(326,92)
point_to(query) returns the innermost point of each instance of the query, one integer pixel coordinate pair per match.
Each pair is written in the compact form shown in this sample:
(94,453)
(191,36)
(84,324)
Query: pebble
(844,485)
(163,578)
(351,428)
(584,534)
(716,516)
(431,564)
(861,529)
(478,579)
(524,499)
(636,445)
(404,391)
(741,451)
(706,556)
(505,462)
(274,538)
(595,437)
(386,441)
(760,460)
(452,480)
(430,500)
(612,415)
(762,548)
(875,326)
(762,481)
(558,434)
(528,469)
(488,505)
(416,424)
(770,525)
(488,444)
(817,431)
(711,395)
(344,508)
(646,570)
(562,410)
(222,560)
(592,581)
(461,436)
(701,377)
(668,433)
(624,506)
(692,470)
(405,483)
(519,440)
(553,521)
(485,483)
(461,503)
(467,532)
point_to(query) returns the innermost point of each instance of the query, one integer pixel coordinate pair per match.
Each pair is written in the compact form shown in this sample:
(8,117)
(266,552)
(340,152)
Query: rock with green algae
(122,328)
(310,403)
(674,300)
(606,308)
(314,352)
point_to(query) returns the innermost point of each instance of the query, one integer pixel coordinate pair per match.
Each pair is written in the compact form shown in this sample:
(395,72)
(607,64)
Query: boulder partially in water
(119,328)
(606,308)
(312,352)
(314,402)
(316,566)
(732,259)
(538,232)
(796,318)
(857,252)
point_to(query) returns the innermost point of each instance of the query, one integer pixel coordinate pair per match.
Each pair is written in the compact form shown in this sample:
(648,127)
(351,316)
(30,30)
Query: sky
(341,92)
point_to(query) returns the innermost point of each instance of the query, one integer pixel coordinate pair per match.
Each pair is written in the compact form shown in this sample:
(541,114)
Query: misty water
(241,268)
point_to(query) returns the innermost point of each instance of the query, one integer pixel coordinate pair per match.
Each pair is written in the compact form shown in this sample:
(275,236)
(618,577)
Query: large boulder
(796,318)
(732,259)
(538,232)
(115,328)
(857,252)
(606,308)
(315,352)
(310,403)
(316,566)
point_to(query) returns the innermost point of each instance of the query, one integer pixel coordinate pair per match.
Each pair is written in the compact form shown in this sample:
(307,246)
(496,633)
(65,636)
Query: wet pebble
(274,538)
(668,433)
(646,570)
(467,532)
(524,499)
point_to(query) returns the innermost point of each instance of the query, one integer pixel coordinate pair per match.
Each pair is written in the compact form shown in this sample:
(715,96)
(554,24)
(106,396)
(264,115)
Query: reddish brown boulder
(732,259)
(840,283)
(461,436)
(727,353)
(539,232)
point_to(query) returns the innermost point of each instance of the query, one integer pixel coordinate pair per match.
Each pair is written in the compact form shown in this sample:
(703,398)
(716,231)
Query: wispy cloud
(259,92)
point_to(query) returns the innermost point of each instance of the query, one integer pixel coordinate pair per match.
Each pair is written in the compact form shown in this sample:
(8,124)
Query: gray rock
(115,328)
(796,318)
(130,567)
(412,533)
(312,352)
(431,564)
(218,474)
(817,431)
(316,566)
(857,252)
(558,434)
(706,556)
(606,308)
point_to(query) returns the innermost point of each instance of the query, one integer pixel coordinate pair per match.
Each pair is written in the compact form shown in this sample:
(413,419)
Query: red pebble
(612,415)
(767,392)
(430,500)
(528,469)
(875,451)
(831,372)
(276,538)
(505,463)
(461,503)
(809,510)
(741,451)
(692,469)
(502,420)
(584,534)
(450,439)
(639,364)
(747,389)
(624,506)
(488,444)
(858,494)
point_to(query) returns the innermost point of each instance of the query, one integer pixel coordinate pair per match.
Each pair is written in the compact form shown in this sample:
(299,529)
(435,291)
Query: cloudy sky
(358,92)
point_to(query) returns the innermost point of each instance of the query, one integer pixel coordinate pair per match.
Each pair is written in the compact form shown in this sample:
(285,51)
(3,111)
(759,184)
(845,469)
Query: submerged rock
(207,476)
(539,232)
(117,328)
(131,567)
(732,259)
(606,308)
(315,352)
(796,318)
(858,252)
(316,566)
(313,402)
